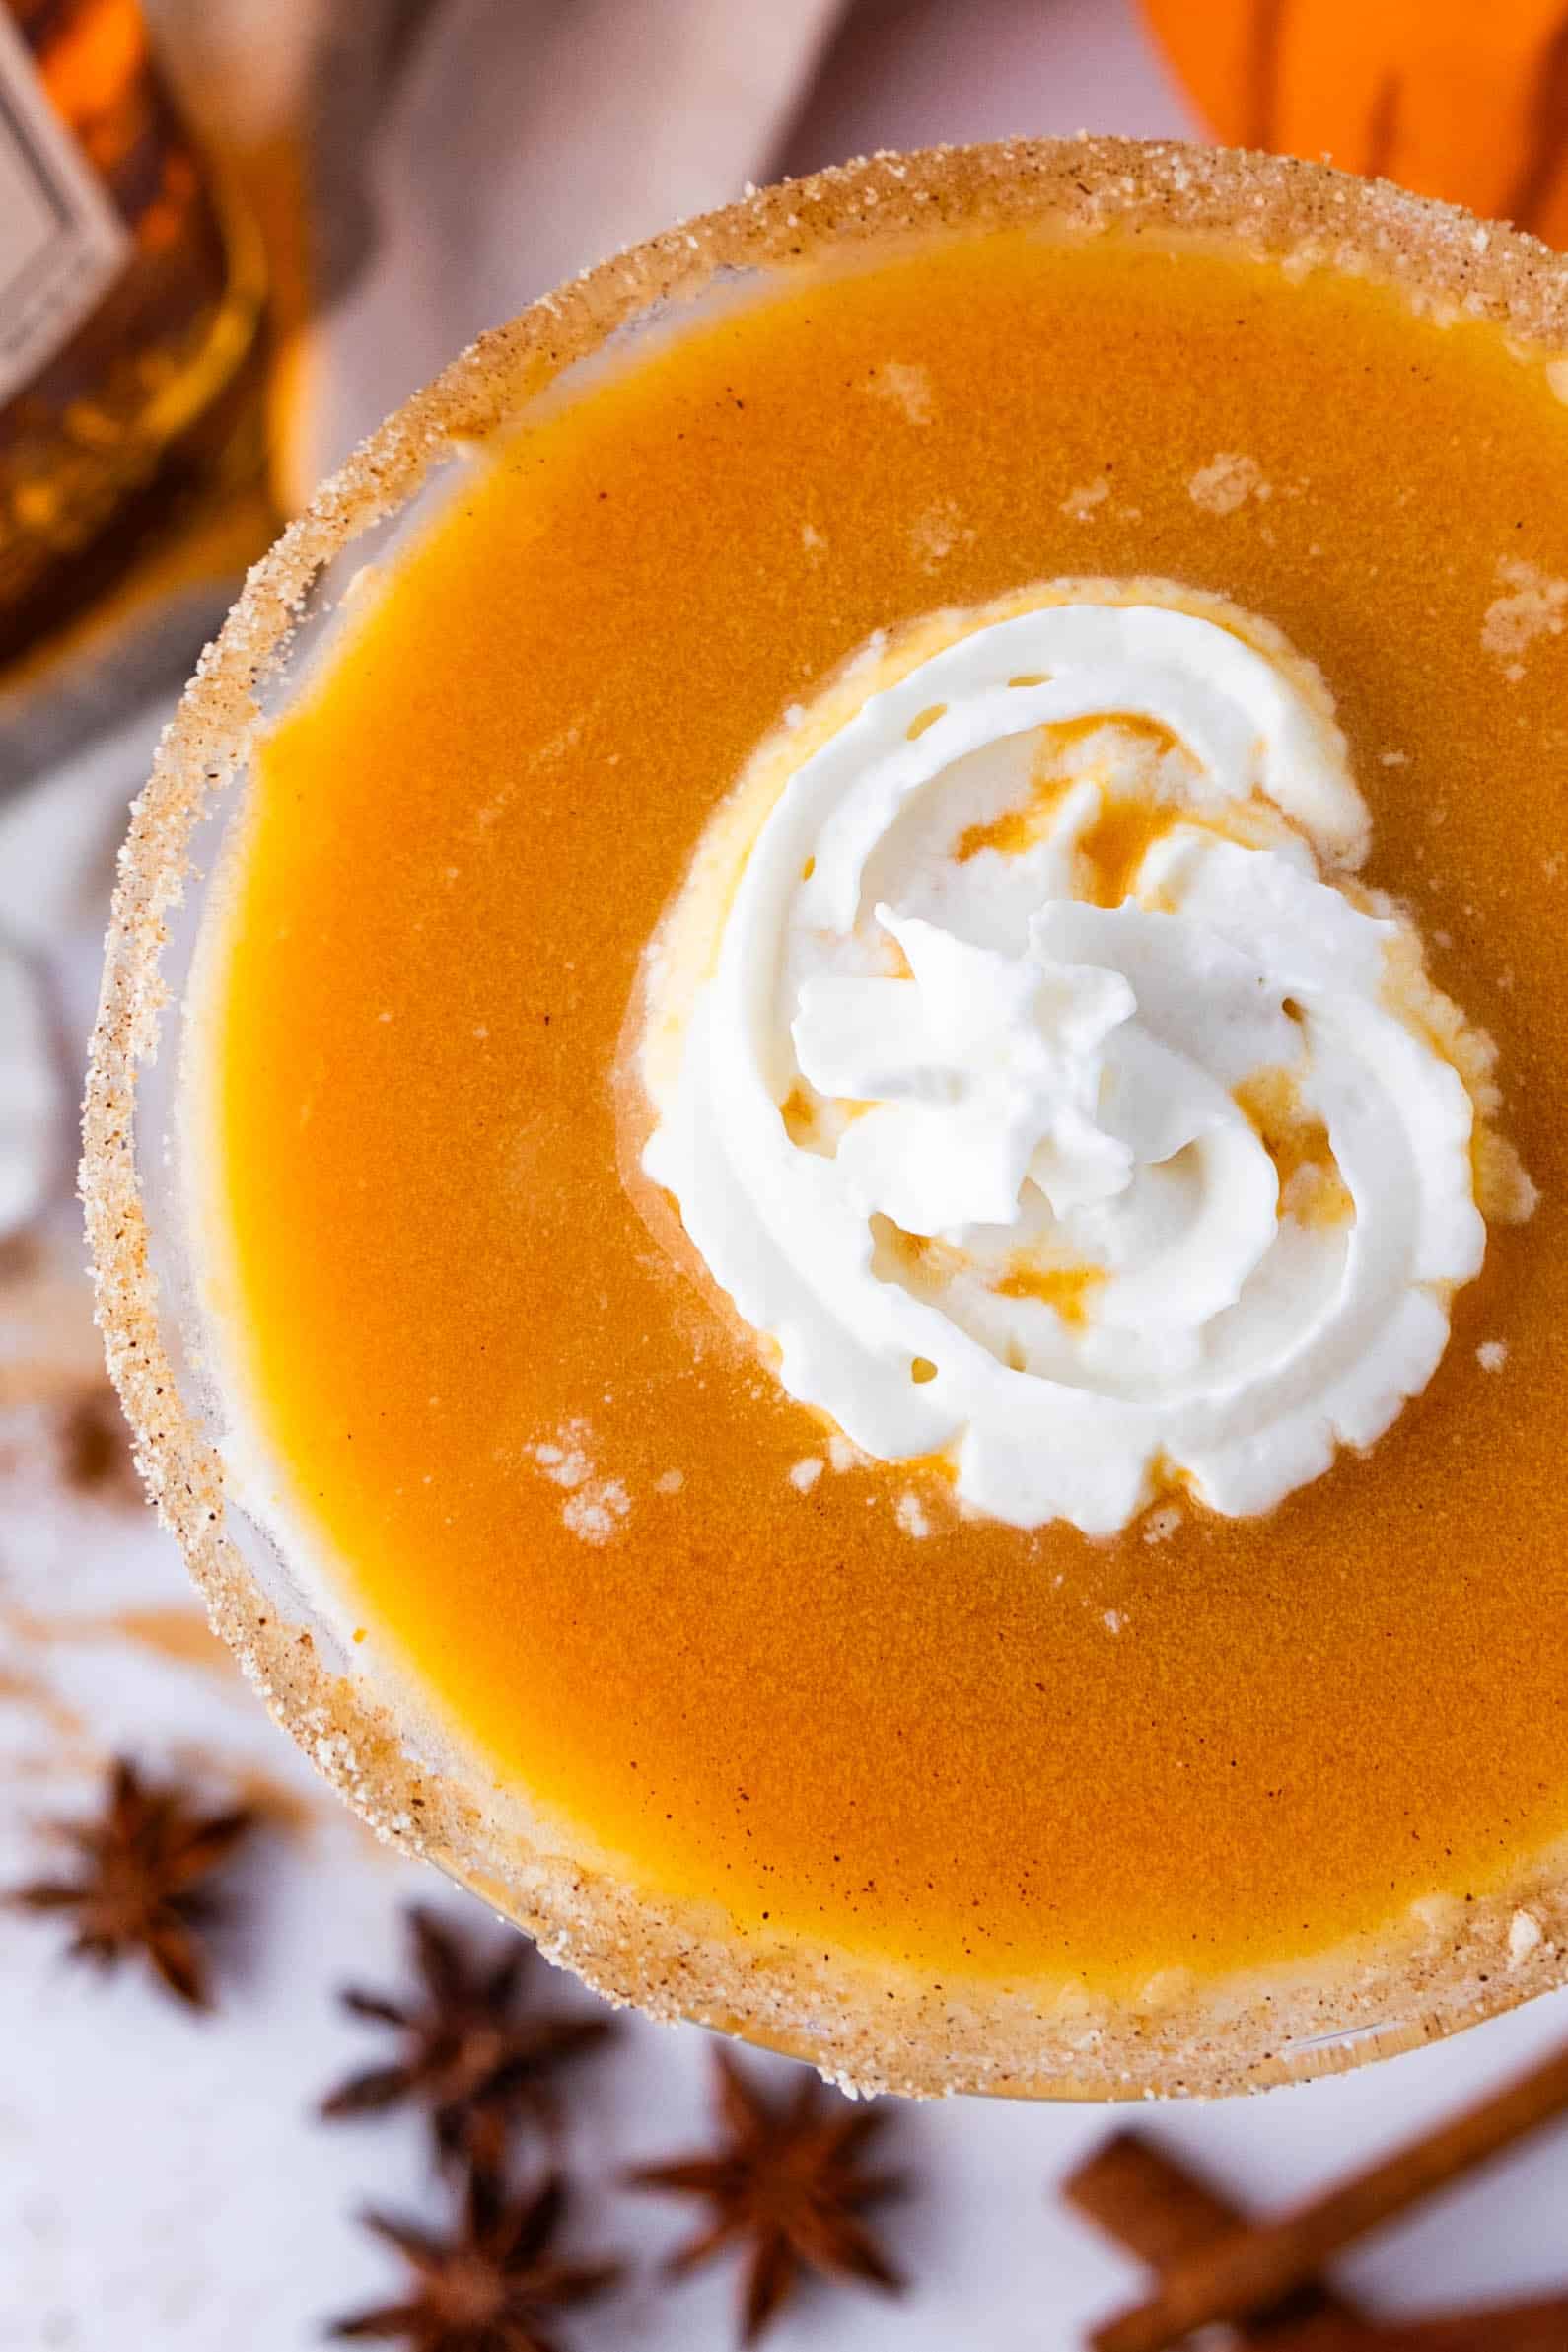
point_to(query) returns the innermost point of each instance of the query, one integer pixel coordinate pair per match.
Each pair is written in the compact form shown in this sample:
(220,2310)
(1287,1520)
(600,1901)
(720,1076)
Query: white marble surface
(162,2180)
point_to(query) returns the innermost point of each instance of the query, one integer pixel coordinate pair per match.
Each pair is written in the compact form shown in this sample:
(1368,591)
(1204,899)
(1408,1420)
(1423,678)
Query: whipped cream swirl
(1031,1072)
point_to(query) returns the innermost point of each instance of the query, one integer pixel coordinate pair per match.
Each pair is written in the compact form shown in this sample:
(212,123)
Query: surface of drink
(130,301)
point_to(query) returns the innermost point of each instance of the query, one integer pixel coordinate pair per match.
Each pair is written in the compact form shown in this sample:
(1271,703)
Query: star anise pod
(491,2286)
(474,2054)
(140,1888)
(787,2184)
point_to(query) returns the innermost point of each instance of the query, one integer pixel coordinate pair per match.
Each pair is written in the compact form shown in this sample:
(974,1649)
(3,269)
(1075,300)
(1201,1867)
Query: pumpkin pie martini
(827,1142)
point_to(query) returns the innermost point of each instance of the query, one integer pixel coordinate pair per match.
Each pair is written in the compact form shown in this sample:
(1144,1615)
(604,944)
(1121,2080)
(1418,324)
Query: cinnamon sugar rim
(869,2027)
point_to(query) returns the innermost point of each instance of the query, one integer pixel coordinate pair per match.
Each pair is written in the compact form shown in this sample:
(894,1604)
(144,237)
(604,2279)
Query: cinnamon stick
(1145,2198)
(1505,2327)
(1140,2194)
(1251,2269)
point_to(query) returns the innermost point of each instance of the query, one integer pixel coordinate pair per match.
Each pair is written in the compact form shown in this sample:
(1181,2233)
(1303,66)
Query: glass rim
(863,2024)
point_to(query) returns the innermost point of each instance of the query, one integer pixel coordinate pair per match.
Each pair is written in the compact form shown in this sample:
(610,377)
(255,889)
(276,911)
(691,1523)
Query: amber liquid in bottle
(130,301)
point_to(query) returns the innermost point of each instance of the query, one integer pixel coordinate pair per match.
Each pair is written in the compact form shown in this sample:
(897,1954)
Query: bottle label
(62,243)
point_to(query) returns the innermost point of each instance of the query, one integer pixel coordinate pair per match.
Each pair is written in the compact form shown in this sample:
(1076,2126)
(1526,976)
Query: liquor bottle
(130,302)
